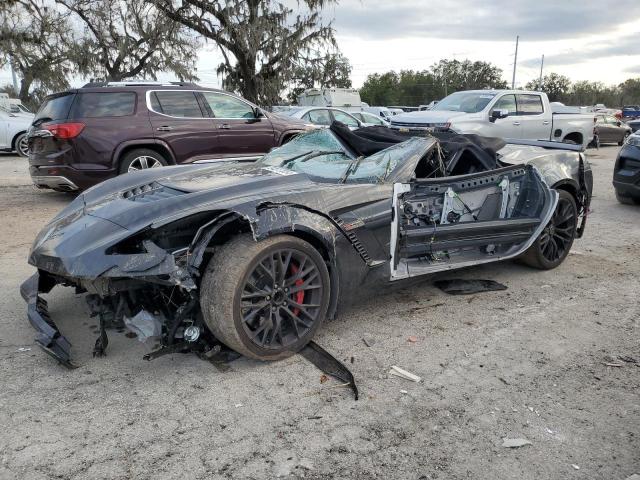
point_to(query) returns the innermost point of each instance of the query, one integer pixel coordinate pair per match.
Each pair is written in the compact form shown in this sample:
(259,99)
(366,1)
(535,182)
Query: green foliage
(36,39)
(329,70)
(411,87)
(263,42)
(131,39)
(555,86)
(586,93)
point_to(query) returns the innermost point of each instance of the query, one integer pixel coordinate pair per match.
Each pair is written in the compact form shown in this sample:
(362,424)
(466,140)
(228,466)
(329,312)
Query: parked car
(609,129)
(634,125)
(13,132)
(256,256)
(369,119)
(83,136)
(382,112)
(626,172)
(500,113)
(324,116)
(630,112)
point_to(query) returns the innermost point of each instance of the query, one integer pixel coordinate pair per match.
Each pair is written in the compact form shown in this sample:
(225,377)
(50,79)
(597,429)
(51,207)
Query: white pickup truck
(514,114)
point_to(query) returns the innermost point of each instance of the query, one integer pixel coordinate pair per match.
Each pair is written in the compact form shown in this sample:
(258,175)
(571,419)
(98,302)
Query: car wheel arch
(573,137)
(227,225)
(15,138)
(159,147)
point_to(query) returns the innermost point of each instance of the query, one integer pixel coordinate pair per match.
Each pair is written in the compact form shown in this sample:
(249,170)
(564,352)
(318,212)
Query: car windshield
(321,155)
(468,102)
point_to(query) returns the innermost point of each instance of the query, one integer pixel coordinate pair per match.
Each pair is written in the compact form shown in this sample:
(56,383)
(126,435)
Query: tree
(457,75)
(630,92)
(262,41)
(380,89)
(35,39)
(131,38)
(329,70)
(554,85)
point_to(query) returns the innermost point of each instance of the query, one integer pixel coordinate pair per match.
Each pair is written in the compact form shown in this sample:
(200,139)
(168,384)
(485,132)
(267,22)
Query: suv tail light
(65,131)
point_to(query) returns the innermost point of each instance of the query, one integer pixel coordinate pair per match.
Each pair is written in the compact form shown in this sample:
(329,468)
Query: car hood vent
(150,192)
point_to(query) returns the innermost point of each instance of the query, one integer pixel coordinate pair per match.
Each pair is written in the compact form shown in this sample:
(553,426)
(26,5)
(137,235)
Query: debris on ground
(460,286)
(575,467)
(323,378)
(327,363)
(144,324)
(399,372)
(515,442)
(635,476)
(412,339)
(404,392)
(628,359)
(369,342)
(24,349)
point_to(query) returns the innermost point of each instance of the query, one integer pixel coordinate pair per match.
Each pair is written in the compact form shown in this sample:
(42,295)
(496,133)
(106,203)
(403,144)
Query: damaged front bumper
(49,337)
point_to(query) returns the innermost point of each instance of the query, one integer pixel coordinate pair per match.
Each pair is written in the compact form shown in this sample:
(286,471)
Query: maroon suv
(83,136)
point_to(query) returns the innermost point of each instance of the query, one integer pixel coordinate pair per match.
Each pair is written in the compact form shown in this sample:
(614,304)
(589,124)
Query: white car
(369,119)
(13,132)
(323,116)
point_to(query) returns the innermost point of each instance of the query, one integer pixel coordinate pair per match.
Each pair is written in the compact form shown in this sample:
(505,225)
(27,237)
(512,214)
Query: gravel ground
(528,362)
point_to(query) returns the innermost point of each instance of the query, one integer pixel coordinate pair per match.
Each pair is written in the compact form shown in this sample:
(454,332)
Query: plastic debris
(399,372)
(145,325)
(404,392)
(412,339)
(515,442)
(238,405)
(575,467)
(323,378)
(459,286)
(369,342)
(330,365)
(24,349)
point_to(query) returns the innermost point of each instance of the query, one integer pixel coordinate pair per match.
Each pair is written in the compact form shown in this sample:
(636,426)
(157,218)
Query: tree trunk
(23,94)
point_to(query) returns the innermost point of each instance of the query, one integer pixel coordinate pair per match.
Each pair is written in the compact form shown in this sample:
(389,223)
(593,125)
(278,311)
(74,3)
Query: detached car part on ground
(626,172)
(257,256)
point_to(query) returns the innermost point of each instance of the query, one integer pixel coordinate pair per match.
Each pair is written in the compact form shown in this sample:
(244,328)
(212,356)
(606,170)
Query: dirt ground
(529,362)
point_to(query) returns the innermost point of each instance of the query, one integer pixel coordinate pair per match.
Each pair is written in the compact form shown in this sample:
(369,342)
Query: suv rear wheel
(141,159)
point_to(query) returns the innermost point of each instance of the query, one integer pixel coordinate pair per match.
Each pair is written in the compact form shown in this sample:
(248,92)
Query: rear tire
(266,299)
(21,145)
(626,200)
(552,246)
(141,159)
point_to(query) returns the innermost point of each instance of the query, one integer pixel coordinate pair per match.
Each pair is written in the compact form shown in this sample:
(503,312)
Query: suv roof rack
(138,83)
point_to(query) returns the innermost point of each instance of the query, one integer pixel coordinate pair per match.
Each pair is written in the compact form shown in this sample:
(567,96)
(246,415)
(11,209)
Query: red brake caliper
(298,297)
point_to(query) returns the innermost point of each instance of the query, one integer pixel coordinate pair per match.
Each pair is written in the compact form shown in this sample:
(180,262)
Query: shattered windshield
(468,102)
(320,154)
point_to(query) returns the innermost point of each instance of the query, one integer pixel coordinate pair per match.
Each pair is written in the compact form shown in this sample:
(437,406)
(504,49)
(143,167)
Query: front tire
(141,159)
(552,246)
(266,299)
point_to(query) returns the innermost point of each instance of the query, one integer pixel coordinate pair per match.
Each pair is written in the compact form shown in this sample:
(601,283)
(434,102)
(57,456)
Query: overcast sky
(583,39)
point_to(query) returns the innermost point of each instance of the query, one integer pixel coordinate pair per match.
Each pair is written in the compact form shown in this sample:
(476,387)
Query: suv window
(55,108)
(529,105)
(104,104)
(507,102)
(176,104)
(318,117)
(226,106)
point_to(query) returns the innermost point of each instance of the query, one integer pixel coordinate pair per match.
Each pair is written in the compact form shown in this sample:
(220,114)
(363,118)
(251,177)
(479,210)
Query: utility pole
(540,80)
(515,62)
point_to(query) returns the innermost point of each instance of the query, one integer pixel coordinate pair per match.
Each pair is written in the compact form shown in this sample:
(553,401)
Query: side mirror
(258,113)
(497,114)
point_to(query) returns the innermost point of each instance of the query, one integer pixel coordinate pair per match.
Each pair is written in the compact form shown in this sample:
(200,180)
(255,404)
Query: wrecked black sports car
(254,256)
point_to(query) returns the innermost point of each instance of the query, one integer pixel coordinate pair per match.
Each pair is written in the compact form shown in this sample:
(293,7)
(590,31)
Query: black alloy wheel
(552,246)
(281,299)
(265,299)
